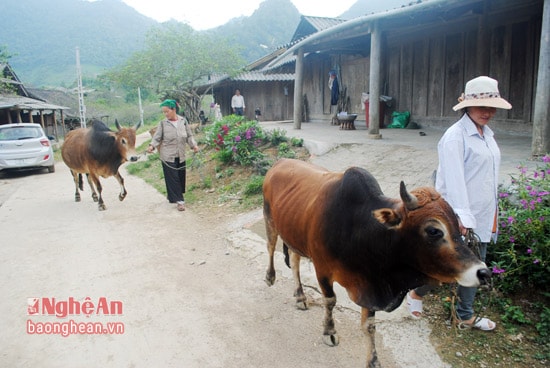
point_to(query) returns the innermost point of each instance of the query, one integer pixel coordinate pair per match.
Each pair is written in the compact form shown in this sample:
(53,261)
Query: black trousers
(174,177)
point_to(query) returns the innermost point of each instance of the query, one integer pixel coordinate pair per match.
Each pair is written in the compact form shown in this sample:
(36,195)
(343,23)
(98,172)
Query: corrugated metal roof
(261,77)
(26,103)
(309,25)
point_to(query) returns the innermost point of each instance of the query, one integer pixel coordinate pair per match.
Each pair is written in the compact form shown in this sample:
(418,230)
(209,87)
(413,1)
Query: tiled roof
(21,102)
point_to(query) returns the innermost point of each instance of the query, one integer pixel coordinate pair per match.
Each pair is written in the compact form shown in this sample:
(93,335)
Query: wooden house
(421,55)
(19,105)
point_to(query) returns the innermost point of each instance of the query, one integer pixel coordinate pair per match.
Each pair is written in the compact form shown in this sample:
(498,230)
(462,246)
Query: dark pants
(239,111)
(174,177)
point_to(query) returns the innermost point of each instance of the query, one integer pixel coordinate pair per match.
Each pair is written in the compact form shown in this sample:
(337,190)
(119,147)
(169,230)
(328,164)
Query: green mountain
(42,36)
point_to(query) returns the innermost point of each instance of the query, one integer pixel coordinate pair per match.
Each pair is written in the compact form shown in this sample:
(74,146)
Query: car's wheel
(51,169)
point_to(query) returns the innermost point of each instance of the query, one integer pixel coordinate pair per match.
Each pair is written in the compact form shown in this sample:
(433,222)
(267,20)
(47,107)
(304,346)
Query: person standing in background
(237,103)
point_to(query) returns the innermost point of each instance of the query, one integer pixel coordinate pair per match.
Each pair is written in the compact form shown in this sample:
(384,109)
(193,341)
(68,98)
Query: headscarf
(172,104)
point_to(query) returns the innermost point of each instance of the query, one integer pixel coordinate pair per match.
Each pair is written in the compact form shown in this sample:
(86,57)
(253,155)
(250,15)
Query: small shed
(18,105)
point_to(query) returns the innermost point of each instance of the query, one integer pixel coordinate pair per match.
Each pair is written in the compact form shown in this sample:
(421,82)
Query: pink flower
(497,270)
(529,251)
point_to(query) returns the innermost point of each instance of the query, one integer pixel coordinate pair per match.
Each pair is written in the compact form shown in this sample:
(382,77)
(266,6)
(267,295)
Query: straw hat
(482,91)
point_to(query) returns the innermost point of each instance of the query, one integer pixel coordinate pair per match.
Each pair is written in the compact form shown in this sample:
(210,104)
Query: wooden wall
(270,97)
(425,71)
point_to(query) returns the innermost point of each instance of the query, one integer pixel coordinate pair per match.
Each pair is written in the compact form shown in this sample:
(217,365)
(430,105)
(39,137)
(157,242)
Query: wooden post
(374,82)
(63,124)
(55,126)
(42,121)
(541,123)
(298,89)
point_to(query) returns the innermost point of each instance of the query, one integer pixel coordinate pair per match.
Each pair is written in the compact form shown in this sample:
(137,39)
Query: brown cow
(98,151)
(376,247)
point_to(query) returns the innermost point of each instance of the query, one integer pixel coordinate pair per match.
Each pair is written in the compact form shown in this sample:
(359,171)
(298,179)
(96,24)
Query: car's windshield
(18,133)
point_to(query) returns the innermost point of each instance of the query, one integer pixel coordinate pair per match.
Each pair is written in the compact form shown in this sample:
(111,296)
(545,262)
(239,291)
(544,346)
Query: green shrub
(254,186)
(521,256)
(277,136)
(236,140)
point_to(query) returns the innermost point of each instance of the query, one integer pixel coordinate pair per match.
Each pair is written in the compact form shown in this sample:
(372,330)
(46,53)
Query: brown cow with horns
(99,151)
(376,247)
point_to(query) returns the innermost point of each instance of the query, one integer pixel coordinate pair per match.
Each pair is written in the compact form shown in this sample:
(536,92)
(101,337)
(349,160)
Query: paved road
(191,286)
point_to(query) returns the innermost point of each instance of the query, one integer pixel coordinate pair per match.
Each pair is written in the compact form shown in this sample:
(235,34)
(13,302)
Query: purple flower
(512,239)
(510,219)
(529,220)
(528,187)
(536,261)
(238,138)
(234,149)
(529,251)
(546,158)
(533,193)
(503,195)
(522,169)
(498,270)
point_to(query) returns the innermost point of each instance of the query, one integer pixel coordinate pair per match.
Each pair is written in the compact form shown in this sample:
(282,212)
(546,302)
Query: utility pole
(140,108)
(81,107)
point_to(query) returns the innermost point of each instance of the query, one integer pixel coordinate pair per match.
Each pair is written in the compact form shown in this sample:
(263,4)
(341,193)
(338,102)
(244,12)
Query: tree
(176,59)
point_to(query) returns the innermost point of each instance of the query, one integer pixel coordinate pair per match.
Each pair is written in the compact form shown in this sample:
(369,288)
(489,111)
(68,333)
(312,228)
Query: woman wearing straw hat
(171,136)
(467,177)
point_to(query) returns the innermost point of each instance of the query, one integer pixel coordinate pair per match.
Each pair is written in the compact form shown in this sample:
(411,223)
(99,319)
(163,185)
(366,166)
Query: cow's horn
(410,201)
(117,125)
(138,124)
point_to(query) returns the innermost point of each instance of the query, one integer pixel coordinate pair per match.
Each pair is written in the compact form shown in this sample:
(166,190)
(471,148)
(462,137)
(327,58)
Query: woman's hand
(150,148)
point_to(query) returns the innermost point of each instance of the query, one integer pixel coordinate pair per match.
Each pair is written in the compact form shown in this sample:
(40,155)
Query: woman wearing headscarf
(172,134)
(467,177)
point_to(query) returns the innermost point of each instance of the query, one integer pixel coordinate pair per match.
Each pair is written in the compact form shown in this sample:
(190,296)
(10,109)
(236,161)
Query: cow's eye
(434,232)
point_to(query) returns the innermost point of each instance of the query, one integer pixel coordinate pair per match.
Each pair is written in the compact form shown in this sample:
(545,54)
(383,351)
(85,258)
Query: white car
(25,146)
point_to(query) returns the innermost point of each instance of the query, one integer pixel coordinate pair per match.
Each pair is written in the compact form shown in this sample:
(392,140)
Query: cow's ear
(387,217)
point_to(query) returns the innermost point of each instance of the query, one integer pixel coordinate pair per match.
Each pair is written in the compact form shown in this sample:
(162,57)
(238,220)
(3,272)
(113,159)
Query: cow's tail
(80,182)
(287,258)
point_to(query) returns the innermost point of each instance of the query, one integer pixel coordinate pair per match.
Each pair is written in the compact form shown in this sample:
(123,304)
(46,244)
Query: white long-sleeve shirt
(237,101)
(467,175)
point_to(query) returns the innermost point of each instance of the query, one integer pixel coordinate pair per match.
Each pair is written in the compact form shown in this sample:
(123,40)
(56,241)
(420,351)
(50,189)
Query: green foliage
(175,60)
(514,314)
(277,136)
(254,186)
(285,151)
(543,325)
(296,142)
(236,140)
(521,257)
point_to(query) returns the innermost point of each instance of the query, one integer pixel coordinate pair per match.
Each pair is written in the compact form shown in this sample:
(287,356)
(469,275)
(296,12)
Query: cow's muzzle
(134,158)
(484,276)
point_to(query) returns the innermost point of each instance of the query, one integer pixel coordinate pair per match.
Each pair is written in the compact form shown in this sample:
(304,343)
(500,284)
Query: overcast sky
(206,14)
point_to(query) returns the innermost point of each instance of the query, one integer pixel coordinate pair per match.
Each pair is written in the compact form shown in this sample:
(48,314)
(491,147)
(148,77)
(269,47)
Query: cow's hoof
(77,199)
(121,197)
(301,304)
(331,340)
(102,207)
(95,198)
(270,278)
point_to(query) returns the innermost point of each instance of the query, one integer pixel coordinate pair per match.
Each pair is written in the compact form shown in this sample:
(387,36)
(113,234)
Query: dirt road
(190,286)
